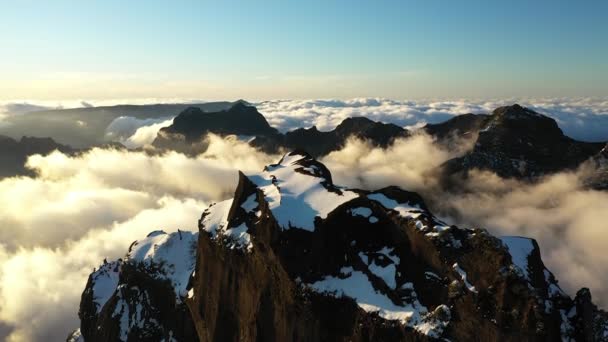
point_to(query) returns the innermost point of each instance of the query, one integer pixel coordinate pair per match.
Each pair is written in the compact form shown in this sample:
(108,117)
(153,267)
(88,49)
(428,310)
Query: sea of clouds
(56,227)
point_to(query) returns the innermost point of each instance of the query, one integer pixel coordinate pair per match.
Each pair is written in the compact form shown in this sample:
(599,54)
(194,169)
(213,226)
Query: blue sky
(286,49)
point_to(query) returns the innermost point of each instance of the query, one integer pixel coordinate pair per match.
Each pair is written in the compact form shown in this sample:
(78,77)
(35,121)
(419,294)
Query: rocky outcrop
(598,179)
(14,153)
(458,126)
(318,143)
(191,126)
(518,142)
(294,257)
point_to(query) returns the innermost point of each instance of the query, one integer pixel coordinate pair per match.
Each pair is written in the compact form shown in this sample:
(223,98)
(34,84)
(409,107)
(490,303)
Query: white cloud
(55,228)
(133,132)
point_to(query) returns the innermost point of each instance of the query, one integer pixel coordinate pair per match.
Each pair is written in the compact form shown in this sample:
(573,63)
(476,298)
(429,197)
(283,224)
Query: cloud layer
(55,228)
(133,132)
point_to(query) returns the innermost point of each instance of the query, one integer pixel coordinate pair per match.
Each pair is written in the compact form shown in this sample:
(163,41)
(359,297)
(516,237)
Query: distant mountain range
(14,153)
(294,257)
(513,141)
(84,127)
(518,142)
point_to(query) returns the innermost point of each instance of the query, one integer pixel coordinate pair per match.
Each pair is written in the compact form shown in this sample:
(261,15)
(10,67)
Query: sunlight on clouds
(82,209)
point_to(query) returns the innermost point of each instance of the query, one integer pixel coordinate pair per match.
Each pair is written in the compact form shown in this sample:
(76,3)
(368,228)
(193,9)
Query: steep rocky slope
(518,142)
(294,257)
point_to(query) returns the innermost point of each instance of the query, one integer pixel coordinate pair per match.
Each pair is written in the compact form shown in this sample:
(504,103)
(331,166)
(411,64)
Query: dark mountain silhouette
(189,128)
(293,257)
(85,127)
(460,125)
(14,153)
(241,119)
(518,142)
(321,143)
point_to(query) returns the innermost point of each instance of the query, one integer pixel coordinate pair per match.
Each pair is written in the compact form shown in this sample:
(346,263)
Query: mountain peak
(191,125)
(518,142)
(522,121)
(242,105)
(515,111)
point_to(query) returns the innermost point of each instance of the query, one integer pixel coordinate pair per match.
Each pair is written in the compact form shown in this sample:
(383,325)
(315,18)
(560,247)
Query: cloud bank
(57,227)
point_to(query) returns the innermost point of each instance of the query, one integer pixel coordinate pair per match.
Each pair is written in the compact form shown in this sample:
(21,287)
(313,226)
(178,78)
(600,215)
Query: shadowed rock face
(321,143)
(518,142)
(14,153)
(191,125)
(458,126)
(294,257)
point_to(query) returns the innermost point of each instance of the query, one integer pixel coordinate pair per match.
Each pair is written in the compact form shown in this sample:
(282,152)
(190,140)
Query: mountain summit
(192,124)
(518,142)
(295,257)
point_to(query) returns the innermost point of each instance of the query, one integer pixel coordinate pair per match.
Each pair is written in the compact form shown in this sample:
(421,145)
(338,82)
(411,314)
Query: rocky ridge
(319,143)
(14,153)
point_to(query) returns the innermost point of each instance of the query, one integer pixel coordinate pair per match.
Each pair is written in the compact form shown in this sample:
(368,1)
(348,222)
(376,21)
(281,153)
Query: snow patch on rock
(520,249)
(215,222)
(174,254)
(463,276)
(296,198)
(105,280)
(404,209)
(356,285)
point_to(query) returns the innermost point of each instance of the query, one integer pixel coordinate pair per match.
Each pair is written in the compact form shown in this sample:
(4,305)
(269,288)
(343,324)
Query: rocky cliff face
(294,257)
(518,142)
